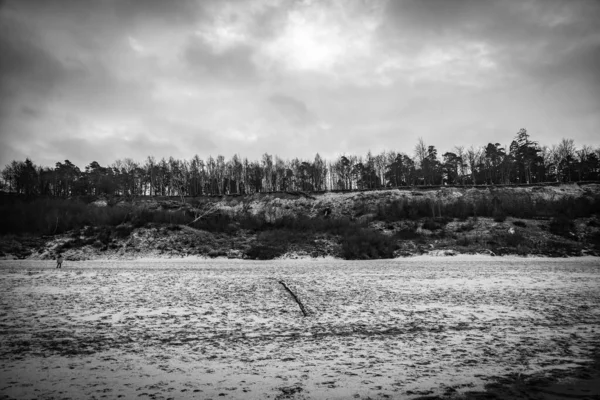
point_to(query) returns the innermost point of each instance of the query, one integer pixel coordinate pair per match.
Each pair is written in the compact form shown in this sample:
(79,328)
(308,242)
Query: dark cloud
(95,89)
(578,60)
(234,63)
(288,101)
(172,11)
(504,21)
(24,64)
(294,110)
(539,41)
(99,26)
(29,74)
(270,21)
(115,12)
(435,17)
(31,112)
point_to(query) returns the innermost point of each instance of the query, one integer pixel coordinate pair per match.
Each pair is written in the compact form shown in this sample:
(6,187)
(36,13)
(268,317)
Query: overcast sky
(107,79)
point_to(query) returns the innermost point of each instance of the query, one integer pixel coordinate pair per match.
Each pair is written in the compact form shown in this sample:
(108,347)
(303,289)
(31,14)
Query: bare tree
(582,158)
(461,154)
(473,159)
(566,155)
(421,156)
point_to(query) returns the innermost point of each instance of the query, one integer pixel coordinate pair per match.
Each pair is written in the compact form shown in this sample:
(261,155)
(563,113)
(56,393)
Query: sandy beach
(422,327)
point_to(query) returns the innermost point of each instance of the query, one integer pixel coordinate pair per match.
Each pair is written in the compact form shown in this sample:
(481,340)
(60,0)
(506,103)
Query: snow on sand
(227,328)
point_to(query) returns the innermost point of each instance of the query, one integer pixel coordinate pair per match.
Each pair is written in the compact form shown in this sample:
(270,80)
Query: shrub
(499,215)
(364,244)
(562,225)
(460,209)
(594,223)
(360,208)
(561,248)
(413,213)
(215,222)
(123,231)
(300,224)
(463,241)
(521,224)
(514,239)
(400,209)
(466,227)
(71,244)
(216,253)
(407,234)
(482,207)
(142,217)
(273,244)
(103,235)
(393,210)
(260,251)
(432,225)
(443,220)
(594,240)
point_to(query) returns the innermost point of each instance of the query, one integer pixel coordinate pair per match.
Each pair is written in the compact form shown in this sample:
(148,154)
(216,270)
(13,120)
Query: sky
(101,80)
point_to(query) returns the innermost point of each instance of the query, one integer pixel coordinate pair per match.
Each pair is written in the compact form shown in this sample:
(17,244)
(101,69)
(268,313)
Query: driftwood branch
(295,298)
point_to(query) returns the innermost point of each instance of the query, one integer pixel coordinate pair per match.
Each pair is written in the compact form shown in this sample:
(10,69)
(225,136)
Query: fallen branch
(295,298)
(203,215)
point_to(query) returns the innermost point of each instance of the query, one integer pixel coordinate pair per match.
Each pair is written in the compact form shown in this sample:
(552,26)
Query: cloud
(334,39)
(233,63)
(516,34)
(24,64)
(169,12)
(107,143)
(294,110)
(126,78)
(108,15)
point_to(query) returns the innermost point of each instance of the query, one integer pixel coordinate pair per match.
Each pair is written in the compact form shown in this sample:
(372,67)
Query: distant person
(59,261)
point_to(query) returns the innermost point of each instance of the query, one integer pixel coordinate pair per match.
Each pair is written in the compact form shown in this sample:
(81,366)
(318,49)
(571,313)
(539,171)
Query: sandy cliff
(397,222)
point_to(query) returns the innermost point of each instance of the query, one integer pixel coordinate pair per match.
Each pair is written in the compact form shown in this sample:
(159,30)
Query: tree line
(524,161)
